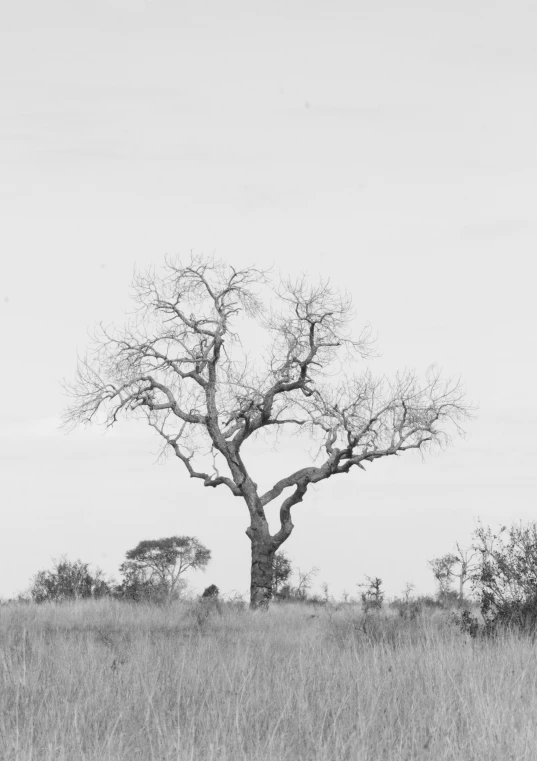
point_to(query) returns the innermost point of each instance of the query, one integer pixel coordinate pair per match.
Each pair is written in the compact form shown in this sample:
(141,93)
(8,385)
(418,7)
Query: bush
(505,581)
(468,624)
(373,595)
(136,588)
(69,581)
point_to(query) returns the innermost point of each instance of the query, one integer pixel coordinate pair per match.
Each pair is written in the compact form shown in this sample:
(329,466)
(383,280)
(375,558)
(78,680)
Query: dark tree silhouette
(180,364)
(210,593)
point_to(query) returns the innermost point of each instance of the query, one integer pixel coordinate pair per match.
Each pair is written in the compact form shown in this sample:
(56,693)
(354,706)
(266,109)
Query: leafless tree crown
(181,364)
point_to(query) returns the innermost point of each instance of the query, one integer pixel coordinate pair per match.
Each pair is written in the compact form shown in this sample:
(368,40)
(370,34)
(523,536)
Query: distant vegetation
(152,572)
(496,581)
(94,675)
(69,581)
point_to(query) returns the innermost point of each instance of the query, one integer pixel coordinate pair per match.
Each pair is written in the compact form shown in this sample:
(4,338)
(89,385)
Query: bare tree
(305,580)
(467,564)
(180,363)
(455,565)
(407,591)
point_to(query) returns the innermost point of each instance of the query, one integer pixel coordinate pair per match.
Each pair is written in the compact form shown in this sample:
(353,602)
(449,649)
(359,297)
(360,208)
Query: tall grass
(106,681)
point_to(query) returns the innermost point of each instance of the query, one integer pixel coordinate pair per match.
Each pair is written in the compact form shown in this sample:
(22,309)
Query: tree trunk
(262,573)
(264,546)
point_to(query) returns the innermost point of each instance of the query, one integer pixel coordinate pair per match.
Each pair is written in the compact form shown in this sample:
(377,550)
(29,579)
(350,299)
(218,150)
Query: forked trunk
(264,547)
(262,574)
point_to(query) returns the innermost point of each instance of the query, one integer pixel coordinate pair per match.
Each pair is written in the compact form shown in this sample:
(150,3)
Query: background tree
(326,591)
(155,566)
(139,585)
(180,363)
(408,589)
(305,581)
(443,572)
(459,565)
(298,592)
(466,565)
(69,580)
(282,572)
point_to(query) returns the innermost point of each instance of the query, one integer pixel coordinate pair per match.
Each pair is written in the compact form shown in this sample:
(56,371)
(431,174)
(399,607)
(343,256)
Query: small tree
(443,572)
(180,363)
(455,565)
(466,559)
(299,591)
(282,572)
(210,593)
(373,594)
(305,580)
(155,566)
(69,581)
(407,591)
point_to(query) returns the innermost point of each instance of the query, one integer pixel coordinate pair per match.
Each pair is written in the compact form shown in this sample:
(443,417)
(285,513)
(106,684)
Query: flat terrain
(106,681)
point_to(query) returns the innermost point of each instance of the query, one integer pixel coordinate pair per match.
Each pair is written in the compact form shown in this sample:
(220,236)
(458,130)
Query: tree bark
(264,545)
(263,550)
(262,573)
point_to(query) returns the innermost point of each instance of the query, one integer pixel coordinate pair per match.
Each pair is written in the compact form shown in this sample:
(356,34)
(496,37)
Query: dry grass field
(105,681)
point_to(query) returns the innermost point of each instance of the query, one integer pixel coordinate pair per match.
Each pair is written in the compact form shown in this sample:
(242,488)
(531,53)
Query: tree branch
(208,480)
(180,363)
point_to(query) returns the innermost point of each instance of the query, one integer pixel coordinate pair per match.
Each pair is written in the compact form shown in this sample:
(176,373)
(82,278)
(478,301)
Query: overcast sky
(388,145)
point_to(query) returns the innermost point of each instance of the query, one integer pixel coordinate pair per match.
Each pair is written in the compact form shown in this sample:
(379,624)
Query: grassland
(105,681)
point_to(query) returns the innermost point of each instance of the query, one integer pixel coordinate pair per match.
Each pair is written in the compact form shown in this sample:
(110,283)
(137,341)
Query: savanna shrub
(137,589)
(373,595)
(69,581)
(506,578)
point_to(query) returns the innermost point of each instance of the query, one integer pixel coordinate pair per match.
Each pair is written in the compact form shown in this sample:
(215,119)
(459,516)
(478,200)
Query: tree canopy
(158,565)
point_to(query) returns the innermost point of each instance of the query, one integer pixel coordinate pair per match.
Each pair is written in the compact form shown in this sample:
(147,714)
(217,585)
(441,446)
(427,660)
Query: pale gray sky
(392,148)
